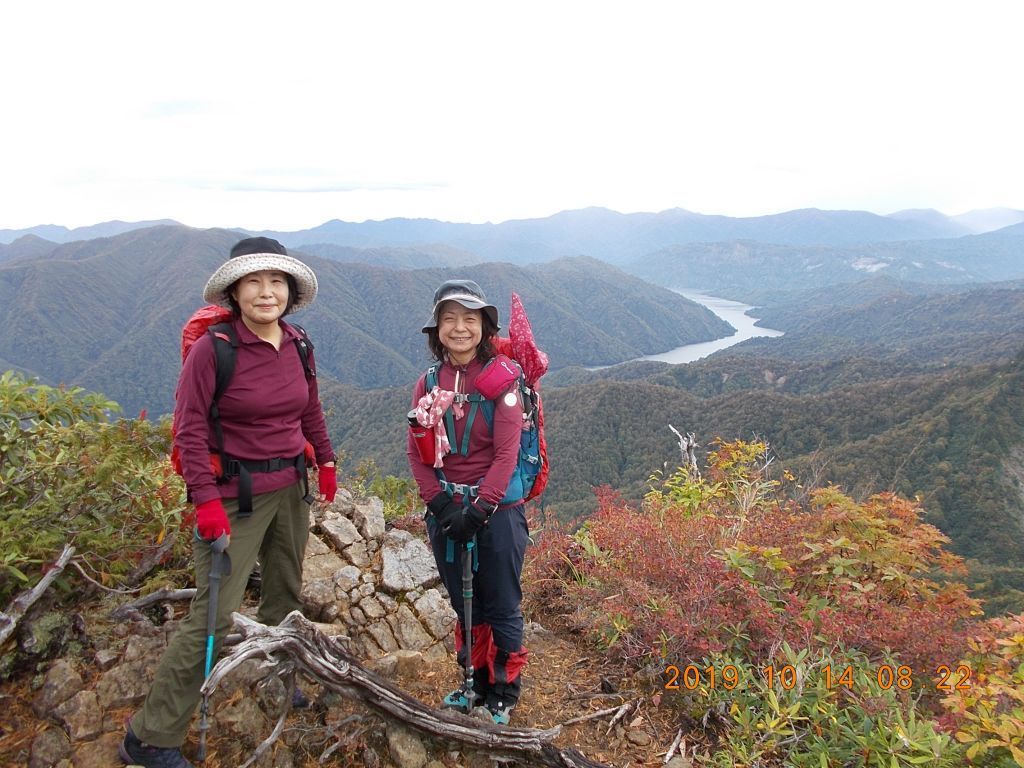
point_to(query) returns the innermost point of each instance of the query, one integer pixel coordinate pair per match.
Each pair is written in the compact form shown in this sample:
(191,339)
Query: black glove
(472,519)
(444,510)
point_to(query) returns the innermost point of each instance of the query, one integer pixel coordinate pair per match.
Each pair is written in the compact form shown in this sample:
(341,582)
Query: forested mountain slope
(106,314)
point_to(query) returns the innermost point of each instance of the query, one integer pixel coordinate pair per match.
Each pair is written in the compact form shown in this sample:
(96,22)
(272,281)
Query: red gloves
(212,520)
(328,480)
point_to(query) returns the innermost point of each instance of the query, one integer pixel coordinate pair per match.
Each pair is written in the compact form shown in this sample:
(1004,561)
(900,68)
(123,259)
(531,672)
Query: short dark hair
(293,294)
(484,350)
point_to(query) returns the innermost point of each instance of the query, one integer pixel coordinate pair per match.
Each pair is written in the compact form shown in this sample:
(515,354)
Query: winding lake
(733,312)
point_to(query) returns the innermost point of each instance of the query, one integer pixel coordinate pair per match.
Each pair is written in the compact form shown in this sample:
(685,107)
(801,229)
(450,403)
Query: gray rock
(408,663)
(381,633)
(340,532)
(49,748)
(405,747)
(106,658)
(81,716)
(372,608)
(385,666)
(316,594)
(407,563)
(97,754)
(321,562)
(438,653)
(244,721)
(369,518)
(408,631)
(143,648)
(126,684)
(61,683)
(346,579)
(357,554)
(270,694)
(436,613)
(638,737)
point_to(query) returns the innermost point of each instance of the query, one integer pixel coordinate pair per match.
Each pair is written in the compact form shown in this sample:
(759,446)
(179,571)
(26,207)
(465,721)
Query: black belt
(243,469)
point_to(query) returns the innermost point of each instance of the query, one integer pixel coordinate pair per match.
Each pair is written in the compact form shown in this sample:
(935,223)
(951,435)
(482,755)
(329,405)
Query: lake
(733,312)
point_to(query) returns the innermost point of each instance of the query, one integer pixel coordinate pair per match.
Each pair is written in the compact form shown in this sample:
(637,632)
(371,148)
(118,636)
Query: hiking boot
(299,699)
(500,709)
(135,752)
(459,700)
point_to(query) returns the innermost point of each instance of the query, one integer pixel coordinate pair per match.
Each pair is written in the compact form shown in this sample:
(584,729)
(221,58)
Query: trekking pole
(467,612)
(220,565)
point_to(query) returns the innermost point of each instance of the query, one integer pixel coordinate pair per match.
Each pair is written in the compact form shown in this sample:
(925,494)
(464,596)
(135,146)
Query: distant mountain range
(742,269)
(58,234)
(106,314)
(605,234)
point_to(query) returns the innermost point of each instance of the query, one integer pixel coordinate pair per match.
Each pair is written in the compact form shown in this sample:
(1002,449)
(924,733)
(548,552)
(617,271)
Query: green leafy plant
(71,472)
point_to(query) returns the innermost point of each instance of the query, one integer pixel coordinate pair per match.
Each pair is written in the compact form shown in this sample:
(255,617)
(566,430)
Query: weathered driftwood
(129,609)
(20,605)
(297,645)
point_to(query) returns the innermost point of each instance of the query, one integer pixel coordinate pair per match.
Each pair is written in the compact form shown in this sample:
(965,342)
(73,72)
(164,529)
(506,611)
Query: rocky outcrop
(376,586)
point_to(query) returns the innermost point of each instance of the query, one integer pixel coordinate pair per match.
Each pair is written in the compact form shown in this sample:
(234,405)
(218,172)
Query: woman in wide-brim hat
(468,497)
(245,466)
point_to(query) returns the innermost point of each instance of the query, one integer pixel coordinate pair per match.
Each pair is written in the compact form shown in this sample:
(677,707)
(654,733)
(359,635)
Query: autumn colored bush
(725,567)
(722,563)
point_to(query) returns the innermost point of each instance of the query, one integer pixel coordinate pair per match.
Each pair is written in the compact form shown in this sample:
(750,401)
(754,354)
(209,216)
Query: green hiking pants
(276,534)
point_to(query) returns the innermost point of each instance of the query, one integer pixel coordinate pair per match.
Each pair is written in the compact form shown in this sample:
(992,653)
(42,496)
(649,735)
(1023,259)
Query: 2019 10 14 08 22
(945,678)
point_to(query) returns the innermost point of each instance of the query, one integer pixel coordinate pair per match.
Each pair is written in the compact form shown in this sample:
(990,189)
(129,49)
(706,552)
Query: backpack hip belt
(244,468)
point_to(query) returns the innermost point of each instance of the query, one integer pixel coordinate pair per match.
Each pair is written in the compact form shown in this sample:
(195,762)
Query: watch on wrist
(487,507)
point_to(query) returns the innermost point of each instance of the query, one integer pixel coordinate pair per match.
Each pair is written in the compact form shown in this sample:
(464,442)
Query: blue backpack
(531,465)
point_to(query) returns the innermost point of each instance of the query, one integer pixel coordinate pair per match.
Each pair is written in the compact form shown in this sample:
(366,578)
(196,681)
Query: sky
(271,115)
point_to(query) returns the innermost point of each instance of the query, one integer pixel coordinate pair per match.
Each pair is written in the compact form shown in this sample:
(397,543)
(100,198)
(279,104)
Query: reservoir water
(733,312)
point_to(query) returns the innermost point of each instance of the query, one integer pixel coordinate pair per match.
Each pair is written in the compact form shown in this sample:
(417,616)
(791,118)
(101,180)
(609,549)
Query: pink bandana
(430,413)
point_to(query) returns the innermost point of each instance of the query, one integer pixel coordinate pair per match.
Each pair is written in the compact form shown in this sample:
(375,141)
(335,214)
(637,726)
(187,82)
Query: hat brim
(469,302)
(234,269)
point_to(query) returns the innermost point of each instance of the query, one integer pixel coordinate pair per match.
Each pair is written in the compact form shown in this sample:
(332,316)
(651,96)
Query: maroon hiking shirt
(268,411)
(492,457)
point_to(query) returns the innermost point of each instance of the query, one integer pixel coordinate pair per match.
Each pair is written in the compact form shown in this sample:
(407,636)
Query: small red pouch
(497,377)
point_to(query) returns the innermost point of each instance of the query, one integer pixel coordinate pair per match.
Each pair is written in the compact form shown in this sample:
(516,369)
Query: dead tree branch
(297,645)
(130,609)
(19,607)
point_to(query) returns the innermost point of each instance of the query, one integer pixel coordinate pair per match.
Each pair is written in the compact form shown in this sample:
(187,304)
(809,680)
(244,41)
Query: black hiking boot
(300,700)
(135,752)
(501,700)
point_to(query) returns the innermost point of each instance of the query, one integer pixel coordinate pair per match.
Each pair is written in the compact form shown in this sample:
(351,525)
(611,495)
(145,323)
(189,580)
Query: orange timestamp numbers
(693,677)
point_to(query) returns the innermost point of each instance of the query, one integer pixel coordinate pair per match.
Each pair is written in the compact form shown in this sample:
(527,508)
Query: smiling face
(262,297)
(459,330)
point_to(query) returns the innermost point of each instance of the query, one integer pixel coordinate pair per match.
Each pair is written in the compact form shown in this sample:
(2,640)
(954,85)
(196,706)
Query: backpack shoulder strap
(305,345)
(225,345)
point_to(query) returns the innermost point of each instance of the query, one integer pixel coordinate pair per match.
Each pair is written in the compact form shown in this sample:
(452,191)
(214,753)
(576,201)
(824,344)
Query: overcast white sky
(285,115)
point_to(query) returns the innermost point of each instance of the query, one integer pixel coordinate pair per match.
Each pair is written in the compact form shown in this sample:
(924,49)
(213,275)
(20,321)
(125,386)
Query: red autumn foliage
(726,564)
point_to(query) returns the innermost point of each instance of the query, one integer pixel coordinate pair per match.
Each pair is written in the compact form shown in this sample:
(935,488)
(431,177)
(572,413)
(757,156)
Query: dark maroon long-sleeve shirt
(268,411)
(492,455)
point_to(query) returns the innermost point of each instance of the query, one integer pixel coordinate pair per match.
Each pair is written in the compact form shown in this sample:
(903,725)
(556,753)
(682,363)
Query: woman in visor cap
(267,414)
(465,493)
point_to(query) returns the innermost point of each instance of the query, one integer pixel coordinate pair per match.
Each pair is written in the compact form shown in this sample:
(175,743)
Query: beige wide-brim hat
(240,265)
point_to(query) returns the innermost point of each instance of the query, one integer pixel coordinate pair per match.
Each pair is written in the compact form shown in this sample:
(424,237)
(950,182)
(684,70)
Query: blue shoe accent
(501,712)
(458,700)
